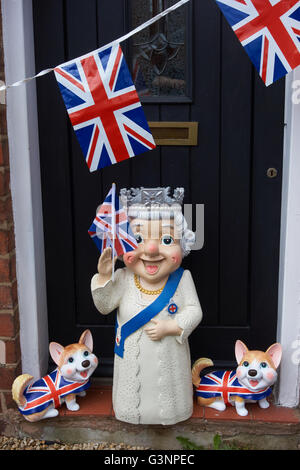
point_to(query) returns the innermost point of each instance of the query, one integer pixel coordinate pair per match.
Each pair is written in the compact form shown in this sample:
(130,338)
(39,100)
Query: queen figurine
(157,309)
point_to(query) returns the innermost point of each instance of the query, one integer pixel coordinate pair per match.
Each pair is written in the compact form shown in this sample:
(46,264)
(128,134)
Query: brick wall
(10,356)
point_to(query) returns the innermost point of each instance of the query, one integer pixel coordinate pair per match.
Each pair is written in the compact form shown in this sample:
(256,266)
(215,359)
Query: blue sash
(150,311)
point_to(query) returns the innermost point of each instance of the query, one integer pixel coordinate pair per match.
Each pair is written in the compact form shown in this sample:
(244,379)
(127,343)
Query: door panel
(240,136)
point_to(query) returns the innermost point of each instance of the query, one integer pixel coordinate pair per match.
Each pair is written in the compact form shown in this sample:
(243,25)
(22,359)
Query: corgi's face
(77,363)
(255,371)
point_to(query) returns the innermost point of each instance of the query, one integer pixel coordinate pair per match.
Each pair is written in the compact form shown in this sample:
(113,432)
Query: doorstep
(275,428)
(99,403)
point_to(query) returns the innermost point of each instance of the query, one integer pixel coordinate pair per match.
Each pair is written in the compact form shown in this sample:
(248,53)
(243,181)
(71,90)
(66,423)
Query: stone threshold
(275,428)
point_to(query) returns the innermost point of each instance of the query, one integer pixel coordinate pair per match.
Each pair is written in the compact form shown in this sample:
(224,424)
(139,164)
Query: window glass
(158,53)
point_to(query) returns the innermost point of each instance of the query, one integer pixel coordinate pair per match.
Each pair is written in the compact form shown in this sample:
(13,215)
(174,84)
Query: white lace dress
(152,382)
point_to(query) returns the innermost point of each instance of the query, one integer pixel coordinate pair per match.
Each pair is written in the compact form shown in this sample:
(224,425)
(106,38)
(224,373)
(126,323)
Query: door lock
(272,173)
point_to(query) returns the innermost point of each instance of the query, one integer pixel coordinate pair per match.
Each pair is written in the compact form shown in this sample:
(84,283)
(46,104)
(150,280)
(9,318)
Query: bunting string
(116,41)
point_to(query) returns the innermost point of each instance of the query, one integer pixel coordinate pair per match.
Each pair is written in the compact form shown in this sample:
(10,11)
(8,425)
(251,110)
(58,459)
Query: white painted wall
(289,280)
(26,194)
(25,184)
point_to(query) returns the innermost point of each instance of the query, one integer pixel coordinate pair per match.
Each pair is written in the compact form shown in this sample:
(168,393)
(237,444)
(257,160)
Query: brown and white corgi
(250,382)
(76,363)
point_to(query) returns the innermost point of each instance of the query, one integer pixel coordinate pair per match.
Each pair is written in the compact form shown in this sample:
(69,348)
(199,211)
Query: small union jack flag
(224,384)
(50,390)
(111,227)
(104,107)
(269,30)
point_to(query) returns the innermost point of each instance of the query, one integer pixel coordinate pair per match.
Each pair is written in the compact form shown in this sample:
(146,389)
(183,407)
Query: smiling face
(77,363)
(158,253)
(256,371)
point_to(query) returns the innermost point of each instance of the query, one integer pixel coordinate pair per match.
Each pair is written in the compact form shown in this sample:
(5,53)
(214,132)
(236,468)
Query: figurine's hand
(162,328)
(105,264)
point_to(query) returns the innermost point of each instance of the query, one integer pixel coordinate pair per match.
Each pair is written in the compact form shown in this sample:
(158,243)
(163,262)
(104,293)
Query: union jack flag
(104,107)
(50,390)
(111,227)
(224,384)
(269,30)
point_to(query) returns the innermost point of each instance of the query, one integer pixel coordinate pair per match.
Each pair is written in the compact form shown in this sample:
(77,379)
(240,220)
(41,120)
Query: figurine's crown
(149,197)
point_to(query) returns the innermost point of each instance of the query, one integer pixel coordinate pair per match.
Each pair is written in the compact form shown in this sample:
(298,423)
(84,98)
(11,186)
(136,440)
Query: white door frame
(288,333)
(28,219)
(25,184)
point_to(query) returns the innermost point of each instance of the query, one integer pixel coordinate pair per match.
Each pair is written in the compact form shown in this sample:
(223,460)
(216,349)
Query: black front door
(188,68)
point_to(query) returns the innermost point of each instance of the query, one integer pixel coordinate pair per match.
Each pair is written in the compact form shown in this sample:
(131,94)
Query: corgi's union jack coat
(224,384)
(49,390)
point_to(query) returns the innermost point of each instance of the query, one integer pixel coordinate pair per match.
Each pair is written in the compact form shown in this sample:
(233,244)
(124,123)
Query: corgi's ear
(275,352)
(87,339)
(55,351)
(240,350)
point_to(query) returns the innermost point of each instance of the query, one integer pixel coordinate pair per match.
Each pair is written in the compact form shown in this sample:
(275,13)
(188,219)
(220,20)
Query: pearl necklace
(146,291)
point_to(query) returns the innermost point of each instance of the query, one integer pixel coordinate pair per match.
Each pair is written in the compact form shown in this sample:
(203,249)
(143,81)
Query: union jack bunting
(224,384)
(104,107)
(50,390)
(111,227)
(269,30)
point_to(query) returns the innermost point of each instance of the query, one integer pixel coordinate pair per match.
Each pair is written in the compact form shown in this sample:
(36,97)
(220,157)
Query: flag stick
(113,202)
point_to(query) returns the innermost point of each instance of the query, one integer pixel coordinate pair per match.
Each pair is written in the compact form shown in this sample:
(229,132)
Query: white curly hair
(169,212)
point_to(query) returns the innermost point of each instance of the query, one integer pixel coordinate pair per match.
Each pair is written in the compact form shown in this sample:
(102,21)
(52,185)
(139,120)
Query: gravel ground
(12,443)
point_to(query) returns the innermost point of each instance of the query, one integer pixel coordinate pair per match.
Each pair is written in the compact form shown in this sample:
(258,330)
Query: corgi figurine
(75,362)
(250,382)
